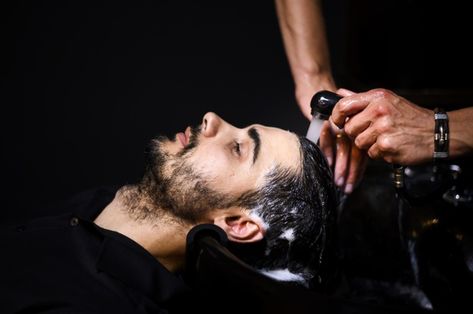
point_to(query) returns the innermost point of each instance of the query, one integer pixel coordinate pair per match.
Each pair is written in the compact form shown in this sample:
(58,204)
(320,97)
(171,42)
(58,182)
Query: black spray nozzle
(322,104)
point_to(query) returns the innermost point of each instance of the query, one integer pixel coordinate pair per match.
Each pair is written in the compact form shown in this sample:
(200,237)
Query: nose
(211,124)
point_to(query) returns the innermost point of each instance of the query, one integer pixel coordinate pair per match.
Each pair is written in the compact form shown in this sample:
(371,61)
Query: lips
(184,137)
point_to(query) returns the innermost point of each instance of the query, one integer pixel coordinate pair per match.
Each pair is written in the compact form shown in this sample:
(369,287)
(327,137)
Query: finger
(336,132)
(358,162)
(344,92)
(341,160)
(358,123)
(327,142)
(367,138)
(374,152)
(351,105)
(361,121)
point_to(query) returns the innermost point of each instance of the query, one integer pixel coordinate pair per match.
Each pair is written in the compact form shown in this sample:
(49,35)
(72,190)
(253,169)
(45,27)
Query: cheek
(223,172)
(213,164)
(220,171)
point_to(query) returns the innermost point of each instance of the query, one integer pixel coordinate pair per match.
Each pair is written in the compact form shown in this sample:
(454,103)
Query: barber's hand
(387,126)
(306,89)
(347,161)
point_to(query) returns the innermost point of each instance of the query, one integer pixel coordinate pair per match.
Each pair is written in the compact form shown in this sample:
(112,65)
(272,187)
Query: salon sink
(222,282)
(418,238)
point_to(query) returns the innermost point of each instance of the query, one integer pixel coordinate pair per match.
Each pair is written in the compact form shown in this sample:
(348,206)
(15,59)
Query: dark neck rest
(223,283)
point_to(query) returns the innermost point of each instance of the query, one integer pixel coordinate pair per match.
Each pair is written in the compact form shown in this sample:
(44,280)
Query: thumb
(344,92)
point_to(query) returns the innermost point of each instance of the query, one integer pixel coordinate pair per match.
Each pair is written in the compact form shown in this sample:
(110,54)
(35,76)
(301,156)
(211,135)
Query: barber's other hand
(347,161)
(387,126)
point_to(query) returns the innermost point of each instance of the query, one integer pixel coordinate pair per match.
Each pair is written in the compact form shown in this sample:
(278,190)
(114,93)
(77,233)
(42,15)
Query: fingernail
(329,160)
(340,181)
(349,188)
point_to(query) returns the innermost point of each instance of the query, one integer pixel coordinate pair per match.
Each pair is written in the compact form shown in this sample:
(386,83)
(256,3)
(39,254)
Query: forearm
(461,132)
(303,32)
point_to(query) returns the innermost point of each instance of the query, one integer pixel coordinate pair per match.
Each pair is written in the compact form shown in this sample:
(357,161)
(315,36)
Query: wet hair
(299,209)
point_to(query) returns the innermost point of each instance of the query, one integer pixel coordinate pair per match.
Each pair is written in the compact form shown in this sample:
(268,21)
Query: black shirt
(67,264)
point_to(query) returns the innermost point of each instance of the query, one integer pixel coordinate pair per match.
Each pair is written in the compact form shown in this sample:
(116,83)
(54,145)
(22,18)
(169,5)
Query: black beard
(184,193)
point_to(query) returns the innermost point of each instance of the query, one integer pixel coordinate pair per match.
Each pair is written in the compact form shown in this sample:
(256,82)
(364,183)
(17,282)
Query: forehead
(279,147)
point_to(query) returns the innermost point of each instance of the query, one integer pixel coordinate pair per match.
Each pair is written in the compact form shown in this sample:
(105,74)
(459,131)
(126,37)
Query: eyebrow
(254,135)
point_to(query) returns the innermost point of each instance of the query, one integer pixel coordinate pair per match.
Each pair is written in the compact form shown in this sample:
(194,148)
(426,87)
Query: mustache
(193,140)
(153,152)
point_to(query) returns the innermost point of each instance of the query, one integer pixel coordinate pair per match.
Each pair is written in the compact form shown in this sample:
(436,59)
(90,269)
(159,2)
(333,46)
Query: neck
(163,235)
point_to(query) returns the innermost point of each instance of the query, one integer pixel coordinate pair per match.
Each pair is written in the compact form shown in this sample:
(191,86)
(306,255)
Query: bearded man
(122,251)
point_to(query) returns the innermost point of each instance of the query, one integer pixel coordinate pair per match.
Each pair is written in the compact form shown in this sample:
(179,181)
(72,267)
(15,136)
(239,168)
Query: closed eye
(236,148)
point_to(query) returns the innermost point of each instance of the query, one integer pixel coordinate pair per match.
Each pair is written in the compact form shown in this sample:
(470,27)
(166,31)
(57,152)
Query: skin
(303,32)
(234,173)
(392,128)
(347,160)
(228,169)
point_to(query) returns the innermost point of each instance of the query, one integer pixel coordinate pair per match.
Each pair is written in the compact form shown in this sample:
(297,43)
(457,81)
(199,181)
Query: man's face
(211,166)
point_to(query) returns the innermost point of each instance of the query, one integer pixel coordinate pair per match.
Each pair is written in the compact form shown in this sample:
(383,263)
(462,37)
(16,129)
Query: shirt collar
(125,260)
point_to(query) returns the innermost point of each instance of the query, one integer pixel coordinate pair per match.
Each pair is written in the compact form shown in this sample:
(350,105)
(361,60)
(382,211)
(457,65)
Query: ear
(240,227)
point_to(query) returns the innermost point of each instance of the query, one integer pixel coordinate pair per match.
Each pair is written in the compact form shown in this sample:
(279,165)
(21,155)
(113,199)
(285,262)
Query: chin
(172,147)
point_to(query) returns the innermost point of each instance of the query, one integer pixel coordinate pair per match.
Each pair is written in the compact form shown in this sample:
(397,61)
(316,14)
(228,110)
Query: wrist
(310,83)
(461,132)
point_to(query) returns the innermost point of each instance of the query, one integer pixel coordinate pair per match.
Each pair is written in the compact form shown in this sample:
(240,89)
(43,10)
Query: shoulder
(88,203)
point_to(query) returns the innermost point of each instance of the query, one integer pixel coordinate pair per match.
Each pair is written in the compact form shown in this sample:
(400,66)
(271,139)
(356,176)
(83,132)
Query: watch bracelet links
(441,134)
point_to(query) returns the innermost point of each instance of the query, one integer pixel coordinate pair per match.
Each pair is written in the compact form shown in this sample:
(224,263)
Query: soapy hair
(299,208)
